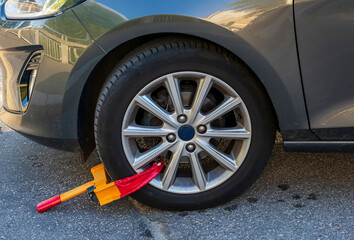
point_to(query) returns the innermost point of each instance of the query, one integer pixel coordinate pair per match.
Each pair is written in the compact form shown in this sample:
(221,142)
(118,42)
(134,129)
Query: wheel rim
(203,135)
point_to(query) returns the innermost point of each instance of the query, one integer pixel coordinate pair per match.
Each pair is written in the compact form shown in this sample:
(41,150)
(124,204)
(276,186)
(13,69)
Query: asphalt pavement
(298,196)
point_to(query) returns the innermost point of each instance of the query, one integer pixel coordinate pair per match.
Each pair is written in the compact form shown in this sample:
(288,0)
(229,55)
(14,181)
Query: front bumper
(49,114)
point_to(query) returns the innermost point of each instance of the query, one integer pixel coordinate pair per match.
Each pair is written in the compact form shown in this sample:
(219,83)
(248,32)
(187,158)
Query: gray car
(202,85)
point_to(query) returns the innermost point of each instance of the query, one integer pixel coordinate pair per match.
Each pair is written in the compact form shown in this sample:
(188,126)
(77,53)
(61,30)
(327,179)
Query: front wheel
(195,107)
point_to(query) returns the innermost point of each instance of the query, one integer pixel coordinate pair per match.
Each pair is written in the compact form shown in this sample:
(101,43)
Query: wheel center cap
(186,133)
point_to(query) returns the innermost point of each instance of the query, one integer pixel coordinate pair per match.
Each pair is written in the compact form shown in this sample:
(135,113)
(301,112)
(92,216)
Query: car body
(301,51)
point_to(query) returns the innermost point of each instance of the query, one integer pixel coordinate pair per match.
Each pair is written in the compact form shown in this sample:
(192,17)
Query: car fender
(284,90)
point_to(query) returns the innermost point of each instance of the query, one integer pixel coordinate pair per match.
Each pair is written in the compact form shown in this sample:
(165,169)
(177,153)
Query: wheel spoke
(225,107)
(220,157)
(144,131)
(199,177)
(200,95)
(169,175)
(236,133)
(173,89)
(145,158)
(149,105)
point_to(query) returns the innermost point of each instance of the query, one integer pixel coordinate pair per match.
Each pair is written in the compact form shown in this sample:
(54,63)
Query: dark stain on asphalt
(283,187)
(37,164)
(147,233)
(296,196)
(231,208)
(252,200)
(281,200)
(183,214)
(312,196)
(299,205)
(32,157)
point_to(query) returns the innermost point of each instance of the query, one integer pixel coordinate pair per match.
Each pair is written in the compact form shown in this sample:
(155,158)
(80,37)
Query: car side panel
(325,31)
(261,33)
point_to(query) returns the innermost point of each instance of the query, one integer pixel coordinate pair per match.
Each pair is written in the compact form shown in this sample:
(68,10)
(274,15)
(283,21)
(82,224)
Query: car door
(325,37)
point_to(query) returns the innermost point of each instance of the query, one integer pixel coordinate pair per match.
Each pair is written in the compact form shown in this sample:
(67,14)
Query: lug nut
(190,147)
(201,129)
(171,137)
(182,118)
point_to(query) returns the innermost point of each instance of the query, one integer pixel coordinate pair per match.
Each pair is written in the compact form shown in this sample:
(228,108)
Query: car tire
(185,58)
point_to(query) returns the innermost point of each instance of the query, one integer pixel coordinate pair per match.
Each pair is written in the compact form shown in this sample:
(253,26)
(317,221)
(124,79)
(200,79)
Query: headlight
(32,9)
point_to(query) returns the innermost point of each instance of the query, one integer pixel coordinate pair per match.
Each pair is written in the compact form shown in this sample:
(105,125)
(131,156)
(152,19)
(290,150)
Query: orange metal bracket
(105,193)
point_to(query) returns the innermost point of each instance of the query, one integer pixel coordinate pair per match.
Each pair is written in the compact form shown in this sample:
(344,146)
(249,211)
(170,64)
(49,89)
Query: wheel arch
(118,42)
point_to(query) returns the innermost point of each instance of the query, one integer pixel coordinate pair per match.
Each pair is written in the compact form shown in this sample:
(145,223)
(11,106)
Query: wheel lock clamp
(99,189)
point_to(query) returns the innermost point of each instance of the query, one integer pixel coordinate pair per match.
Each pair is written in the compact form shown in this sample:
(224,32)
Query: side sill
(319,146)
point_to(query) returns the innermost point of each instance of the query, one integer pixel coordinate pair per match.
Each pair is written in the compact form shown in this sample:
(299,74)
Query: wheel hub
(186,133)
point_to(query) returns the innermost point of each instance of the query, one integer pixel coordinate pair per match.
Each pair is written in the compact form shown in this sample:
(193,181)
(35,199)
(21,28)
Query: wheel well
(100,73)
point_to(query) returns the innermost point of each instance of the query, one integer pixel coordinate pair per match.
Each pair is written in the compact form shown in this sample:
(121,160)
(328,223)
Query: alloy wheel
(196,123)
